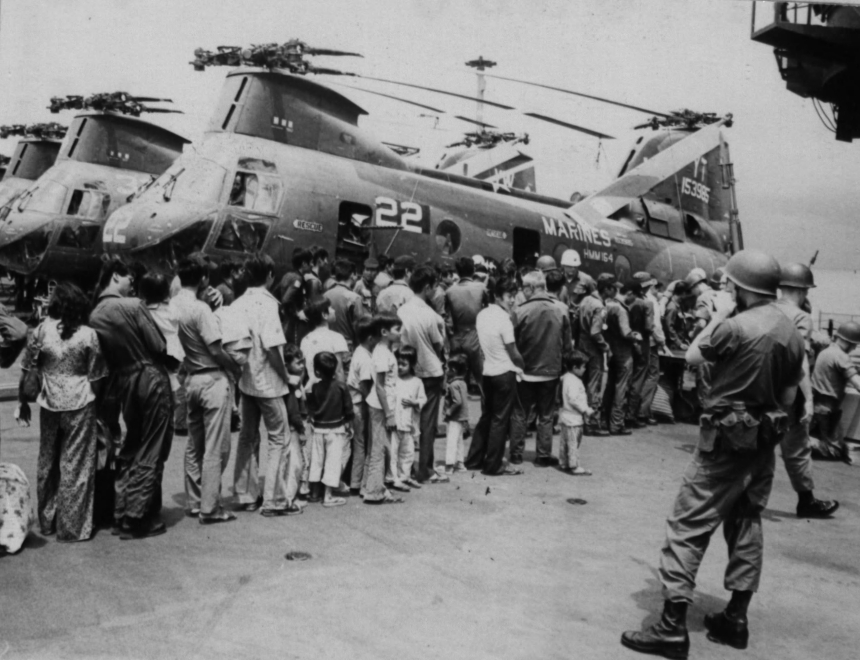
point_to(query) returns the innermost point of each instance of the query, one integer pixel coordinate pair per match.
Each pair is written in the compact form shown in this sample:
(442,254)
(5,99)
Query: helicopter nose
(24,239)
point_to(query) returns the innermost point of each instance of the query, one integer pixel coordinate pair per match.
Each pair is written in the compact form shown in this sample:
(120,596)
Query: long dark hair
(70,307)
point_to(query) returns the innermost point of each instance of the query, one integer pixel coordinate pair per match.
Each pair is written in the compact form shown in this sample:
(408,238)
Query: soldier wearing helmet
(702,311)
(833,372)
(794,284)
(545,264)
(757,358)
(577,284)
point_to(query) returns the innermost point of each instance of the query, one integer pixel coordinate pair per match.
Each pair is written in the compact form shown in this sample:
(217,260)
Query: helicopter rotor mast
(480,65)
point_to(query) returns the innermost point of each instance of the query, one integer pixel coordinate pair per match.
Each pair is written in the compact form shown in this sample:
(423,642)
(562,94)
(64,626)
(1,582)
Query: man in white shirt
(263,386)
(422,329)
(502,363)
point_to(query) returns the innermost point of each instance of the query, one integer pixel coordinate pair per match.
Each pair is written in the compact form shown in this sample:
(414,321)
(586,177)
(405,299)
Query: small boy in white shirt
(409,399)
(360,382)
(574,407)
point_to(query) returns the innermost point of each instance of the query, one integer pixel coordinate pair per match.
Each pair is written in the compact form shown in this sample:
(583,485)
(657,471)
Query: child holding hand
(456,414)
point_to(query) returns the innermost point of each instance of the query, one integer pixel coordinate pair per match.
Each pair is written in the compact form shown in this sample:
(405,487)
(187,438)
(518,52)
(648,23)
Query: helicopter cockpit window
(241,235)
(46,198)
(193,180)
(81,237)
(88,204)
(448,237)
(255,192)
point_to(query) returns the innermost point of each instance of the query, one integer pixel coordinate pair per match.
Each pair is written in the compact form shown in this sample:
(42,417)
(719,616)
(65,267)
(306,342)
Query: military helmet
(545,263)
(717,278)
(850,332)
(696,276)
(796,275)
(754,271)
(571,258)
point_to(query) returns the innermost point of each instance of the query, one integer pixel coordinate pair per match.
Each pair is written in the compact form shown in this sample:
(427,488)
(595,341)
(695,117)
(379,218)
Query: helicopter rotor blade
(329,51)
(329,72)
(442,91)
(149,99)
(586,96)
(475,121)
(574,127)
(389,96)
(164,111)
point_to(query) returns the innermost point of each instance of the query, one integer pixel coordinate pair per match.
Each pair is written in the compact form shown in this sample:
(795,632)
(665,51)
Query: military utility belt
(741,431)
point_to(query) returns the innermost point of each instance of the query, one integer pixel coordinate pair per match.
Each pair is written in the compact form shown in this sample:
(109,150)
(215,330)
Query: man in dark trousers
(463,301)
(642,322)
(136,353)
(592,342)
(757,364)
(622,342)
(539,327)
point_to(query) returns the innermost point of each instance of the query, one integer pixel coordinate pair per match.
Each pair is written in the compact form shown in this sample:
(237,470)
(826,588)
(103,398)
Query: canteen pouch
(740,432)
(707,433)
(774,426)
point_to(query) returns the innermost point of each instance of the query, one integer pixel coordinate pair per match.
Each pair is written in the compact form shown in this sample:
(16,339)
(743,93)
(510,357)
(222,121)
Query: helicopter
(35,152)
(54,227)
(284,165)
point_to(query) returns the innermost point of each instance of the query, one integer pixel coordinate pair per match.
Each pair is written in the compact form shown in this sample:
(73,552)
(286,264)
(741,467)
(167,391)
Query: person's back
(618,329)
(464,300)
(129,337)
(539,331)
(833,369)
(756,368)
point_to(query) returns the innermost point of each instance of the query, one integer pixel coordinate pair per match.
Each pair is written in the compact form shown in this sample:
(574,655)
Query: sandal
(335,501)
(511,471)
(221,516)
(580,472)
(386,500)
(403,488)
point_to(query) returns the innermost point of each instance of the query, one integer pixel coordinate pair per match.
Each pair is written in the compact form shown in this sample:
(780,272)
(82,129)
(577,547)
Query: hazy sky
(797,186)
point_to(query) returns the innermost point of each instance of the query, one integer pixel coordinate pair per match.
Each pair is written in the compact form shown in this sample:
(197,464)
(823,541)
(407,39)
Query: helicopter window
(88,204)
(80,237)
(193,179)
(47,198)
(448,237)
(240,235)
(20,159)
(693,228)
(256,192)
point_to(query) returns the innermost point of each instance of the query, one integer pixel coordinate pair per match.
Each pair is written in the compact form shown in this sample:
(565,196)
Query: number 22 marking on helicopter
(409,216)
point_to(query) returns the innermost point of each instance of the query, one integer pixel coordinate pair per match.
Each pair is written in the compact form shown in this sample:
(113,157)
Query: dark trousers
(433,388)
(467,344)
(620,371)
(649,387)
(541,395)
(147,408)
(593,380)
(641,362)
(487,450)
(827,415)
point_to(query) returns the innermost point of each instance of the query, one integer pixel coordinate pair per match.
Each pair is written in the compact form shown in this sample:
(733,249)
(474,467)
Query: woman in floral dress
(67,353)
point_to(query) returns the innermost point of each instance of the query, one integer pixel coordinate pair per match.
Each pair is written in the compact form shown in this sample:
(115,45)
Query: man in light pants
(263,386)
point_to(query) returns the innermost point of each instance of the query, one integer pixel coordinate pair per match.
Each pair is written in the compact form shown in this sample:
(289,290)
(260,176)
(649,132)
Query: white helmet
(571,258)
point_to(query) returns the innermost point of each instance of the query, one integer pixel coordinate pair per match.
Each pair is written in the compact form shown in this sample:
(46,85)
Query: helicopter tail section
(504,166)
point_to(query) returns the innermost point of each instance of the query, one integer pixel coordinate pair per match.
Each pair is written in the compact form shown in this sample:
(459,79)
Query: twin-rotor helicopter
(284,164)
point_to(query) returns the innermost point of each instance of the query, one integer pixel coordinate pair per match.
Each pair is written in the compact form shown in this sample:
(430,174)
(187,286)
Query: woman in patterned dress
(68,355)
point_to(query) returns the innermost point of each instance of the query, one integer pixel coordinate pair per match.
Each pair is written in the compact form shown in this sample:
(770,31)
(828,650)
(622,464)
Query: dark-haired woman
(67,353)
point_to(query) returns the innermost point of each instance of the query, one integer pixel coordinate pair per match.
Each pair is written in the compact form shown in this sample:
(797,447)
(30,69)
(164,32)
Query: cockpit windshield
(195,180)
(46,197)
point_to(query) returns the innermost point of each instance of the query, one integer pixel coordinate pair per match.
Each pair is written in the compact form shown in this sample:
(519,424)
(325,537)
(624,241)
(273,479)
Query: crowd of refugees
(349,372)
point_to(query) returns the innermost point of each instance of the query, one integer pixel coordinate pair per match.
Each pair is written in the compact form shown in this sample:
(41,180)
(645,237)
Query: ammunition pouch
(742,432)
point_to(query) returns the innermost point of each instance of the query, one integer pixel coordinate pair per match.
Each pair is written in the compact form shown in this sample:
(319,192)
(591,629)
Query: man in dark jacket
(540,326)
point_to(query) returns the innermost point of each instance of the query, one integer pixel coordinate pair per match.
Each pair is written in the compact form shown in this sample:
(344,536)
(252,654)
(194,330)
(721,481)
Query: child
(456,413)
(574,405)
(296,461)
(409,399)
(330,404)
(380,403)
(319,314)
(360,382)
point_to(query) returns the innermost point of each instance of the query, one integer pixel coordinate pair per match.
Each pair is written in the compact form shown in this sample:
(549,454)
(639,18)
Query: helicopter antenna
(480,65)
(290,56)
(45,131)
(119,102)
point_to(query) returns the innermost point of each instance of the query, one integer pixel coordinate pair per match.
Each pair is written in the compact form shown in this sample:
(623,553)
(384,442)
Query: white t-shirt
(321,340)
(383,361)
(495,330)
(360,368)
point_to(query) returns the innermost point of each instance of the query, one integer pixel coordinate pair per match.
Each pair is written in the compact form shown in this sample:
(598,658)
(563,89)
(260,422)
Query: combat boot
(668,637)
(726,629)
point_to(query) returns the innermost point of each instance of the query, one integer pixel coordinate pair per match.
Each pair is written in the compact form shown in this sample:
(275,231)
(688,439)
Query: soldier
(833,371)
(622,340)
(794,284)
(757,358)
(592,317)
(642,322)
(577,284)
(676,324)
(697,280)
